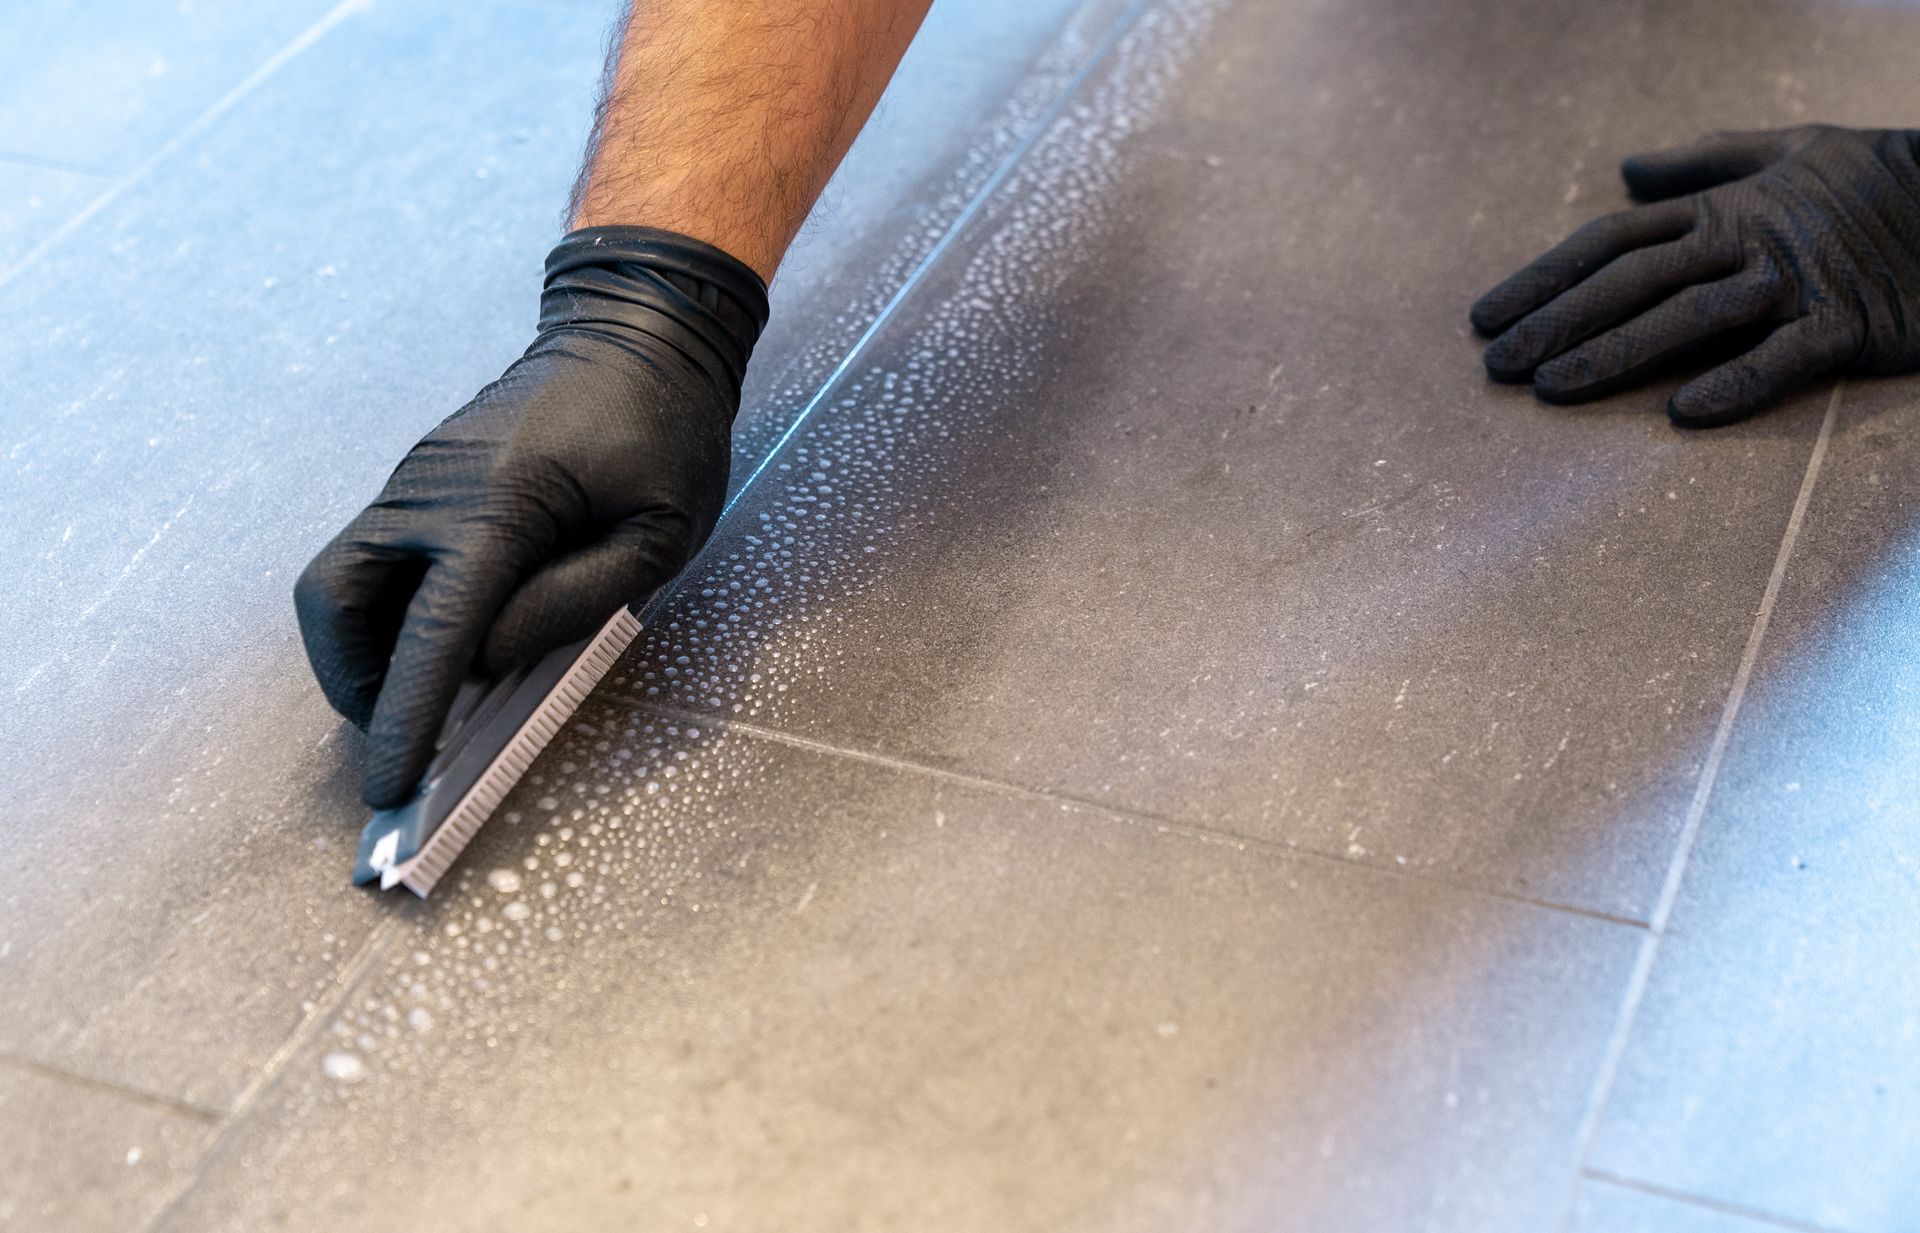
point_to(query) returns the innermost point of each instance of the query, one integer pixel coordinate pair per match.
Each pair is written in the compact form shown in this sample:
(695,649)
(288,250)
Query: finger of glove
(1790,357)
(1624,355)
(350,601)
(435,649)
(1633,284)
(1577,257)
(572,597)
(1718,158)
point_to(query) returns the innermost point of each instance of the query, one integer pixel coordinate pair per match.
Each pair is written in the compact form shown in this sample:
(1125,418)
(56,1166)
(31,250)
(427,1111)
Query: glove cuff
(669,287)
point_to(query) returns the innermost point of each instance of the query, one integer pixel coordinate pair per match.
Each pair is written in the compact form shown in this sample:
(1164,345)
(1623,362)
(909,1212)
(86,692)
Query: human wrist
(646,286)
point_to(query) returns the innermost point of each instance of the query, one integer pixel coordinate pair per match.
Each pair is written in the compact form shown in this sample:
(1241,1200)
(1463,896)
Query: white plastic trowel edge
(495,729)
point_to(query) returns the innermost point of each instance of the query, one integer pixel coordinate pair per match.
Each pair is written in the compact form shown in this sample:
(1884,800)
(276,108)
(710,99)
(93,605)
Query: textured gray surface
(1774,1062)
(1261,549)
(203,383)
(786,989)
(1172,485)
(107,84)
(75,1156)
(35,200)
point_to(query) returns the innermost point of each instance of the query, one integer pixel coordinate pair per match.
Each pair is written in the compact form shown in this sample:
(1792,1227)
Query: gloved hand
(1813,232)
(581,480)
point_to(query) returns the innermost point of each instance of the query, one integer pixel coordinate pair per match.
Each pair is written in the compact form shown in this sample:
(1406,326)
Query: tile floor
(1160,744)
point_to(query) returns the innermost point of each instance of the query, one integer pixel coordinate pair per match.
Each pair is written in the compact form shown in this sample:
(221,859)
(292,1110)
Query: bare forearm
(723,121)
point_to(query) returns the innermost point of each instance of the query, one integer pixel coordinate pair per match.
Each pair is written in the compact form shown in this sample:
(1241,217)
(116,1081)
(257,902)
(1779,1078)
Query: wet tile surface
(79,1159)
(106,84)
(34,201)
(203,384)
(1606,1208)
(1773,1063)
(971,90)
(1173,486)
(702,979)
(1181,489)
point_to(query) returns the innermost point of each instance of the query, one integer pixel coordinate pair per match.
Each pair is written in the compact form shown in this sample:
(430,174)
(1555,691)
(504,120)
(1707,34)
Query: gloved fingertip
(1505,366)
(1565,380)
(396,759)
(1695,412)
(1644,181)
(381,787)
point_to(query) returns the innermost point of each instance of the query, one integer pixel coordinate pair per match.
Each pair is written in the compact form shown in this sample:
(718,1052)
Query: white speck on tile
(343,1067)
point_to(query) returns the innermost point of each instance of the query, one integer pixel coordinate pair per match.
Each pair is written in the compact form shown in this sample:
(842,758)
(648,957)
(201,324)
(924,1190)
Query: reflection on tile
(35,200)
(1607,1208)
(1157,497)
(75,1158)
(107,82)
(1774,1061)
(698,978)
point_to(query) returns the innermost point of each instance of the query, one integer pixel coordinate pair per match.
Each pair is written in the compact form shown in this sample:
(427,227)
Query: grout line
(1190,830)
(1615,1055)
(55,164)
(275,1066)
(171,1104)
(349,976)
(343,983)
(307,38)
(1711,1204)
(975,204)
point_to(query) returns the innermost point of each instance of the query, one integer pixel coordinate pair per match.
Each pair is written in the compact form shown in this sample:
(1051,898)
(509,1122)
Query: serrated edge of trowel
(426,867)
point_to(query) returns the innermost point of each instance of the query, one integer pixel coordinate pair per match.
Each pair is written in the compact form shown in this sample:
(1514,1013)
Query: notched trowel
(496,728)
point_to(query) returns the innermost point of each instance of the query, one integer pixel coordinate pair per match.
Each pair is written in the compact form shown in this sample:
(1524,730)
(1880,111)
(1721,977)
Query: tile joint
(19,159)
(270,1072)
(225,103)
(1131,817)
(1755,1214)
(1614,1057)
(377,942)
(172,1104)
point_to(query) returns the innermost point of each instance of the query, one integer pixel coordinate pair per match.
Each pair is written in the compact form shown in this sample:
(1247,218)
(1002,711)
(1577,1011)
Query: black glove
(581,480)
(1812,233)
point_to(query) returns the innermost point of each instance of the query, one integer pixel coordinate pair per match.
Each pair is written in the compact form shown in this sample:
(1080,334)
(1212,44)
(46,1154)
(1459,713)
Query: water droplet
(343,1067)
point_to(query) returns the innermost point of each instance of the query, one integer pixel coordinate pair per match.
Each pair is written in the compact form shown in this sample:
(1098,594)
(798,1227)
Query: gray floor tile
(697,978)
(107,82)
(1180,488)
(35,200)
(75,1158)
(1773,1062)
(1427,150)
(204,382)
(1607,1208)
